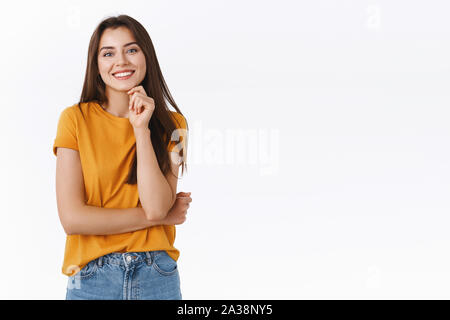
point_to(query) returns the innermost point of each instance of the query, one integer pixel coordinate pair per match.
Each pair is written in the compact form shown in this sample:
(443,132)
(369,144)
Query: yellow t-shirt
(106,144)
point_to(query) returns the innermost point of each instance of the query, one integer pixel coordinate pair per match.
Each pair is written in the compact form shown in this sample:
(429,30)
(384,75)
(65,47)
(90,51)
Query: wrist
(141,132)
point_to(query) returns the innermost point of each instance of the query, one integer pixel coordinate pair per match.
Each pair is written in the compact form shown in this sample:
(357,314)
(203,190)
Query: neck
(117,102)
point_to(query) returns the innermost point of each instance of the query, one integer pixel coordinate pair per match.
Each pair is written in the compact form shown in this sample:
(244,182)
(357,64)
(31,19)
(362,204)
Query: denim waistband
(128,258)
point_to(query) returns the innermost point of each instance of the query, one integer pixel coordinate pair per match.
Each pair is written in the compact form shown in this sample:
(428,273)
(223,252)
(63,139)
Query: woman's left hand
(141,108)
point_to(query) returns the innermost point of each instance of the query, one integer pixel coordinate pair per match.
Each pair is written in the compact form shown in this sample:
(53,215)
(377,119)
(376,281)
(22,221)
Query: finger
(140,89)
(130,103)
(184,195)
(139,105)
(181,195)
(133,103)
(132,90)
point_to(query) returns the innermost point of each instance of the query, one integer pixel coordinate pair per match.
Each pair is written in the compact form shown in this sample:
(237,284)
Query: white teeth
(123,74)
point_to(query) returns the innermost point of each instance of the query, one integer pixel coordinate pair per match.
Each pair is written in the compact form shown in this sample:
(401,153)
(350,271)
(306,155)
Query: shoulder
(180,120)
(76,111)
(180,123)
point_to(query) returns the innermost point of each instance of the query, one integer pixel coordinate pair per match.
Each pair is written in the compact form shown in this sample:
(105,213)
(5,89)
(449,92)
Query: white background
(342,190)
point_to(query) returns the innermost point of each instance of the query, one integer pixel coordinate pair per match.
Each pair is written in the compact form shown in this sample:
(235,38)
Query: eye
(111,52)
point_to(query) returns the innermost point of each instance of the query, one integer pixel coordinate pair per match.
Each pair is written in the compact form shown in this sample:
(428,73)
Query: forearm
(92,220)
(155,193)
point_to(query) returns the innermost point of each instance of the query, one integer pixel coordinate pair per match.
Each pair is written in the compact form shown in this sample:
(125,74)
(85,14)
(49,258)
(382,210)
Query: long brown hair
(162,122)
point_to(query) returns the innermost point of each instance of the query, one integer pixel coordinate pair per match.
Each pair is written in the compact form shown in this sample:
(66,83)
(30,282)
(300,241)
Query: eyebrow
(128,44)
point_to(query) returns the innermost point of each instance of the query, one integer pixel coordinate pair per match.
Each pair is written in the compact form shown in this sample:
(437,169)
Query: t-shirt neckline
(119,120)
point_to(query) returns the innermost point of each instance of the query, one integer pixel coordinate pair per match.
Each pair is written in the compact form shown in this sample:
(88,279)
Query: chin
(123,88)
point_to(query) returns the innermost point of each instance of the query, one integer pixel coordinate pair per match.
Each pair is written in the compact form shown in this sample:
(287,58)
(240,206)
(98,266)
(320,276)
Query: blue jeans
(148,275)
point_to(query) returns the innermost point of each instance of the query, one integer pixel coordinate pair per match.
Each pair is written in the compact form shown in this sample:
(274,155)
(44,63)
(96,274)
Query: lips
(128,70)
(123,77)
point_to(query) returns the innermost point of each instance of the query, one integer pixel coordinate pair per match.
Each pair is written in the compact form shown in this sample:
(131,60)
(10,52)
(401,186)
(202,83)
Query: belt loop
(149,257)
(100,261)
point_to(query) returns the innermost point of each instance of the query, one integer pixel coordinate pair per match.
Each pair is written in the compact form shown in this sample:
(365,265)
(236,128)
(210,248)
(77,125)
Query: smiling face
(117,52)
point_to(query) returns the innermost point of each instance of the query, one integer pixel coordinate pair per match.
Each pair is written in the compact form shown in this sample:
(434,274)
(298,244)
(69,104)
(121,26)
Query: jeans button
(129,258)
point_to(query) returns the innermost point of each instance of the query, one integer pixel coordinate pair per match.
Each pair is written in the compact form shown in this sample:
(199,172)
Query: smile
(123,75)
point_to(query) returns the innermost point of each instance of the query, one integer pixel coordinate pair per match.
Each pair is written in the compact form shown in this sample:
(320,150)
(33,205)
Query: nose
(121,59)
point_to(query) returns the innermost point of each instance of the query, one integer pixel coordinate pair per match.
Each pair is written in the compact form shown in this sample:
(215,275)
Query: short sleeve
(181,134)
(66,133)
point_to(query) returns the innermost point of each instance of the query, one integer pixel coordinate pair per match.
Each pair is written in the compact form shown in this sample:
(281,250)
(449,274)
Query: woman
(117,171)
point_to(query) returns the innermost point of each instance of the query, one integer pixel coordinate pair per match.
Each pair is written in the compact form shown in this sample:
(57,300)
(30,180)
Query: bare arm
(94,220)
(156,194)
(97,220)
(78,218)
